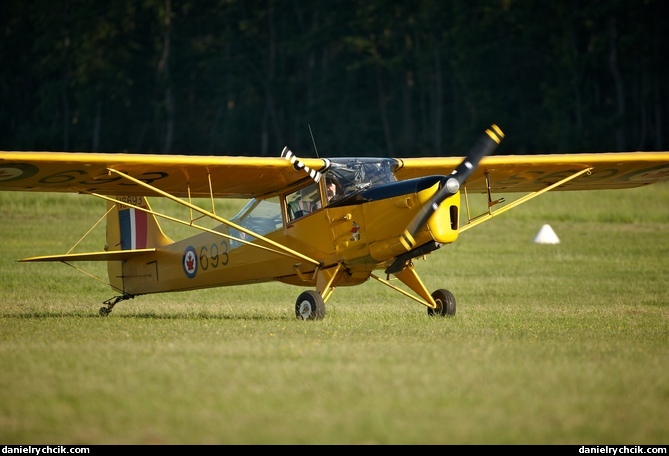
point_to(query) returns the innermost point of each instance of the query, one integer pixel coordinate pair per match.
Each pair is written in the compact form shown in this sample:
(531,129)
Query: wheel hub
(305,310)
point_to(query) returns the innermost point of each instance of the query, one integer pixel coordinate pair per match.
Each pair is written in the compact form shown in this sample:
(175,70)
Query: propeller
(450,186)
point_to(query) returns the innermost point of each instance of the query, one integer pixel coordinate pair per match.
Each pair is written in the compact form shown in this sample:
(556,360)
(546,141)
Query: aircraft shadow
(150,316)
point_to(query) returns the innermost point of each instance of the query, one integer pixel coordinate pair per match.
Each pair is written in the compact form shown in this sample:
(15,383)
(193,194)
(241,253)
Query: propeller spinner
(452,183)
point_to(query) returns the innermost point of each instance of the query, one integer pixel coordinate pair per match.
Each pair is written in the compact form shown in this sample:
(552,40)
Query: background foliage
(378,77)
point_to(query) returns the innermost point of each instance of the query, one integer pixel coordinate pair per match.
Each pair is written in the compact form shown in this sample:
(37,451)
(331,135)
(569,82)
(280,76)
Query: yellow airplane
(315,223)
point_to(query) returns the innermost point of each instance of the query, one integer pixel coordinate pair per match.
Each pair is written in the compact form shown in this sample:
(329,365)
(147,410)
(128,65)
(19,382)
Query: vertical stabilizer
(128,229)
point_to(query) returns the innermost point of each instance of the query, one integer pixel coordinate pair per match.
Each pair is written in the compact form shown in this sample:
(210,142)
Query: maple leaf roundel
(189,262)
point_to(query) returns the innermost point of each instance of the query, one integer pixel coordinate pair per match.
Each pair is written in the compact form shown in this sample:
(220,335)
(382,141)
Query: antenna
(313,140)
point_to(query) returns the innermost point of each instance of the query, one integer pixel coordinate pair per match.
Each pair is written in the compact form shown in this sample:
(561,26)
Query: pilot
(330,188)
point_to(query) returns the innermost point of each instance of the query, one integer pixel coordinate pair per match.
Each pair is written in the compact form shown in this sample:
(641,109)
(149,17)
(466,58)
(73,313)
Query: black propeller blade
(483,147)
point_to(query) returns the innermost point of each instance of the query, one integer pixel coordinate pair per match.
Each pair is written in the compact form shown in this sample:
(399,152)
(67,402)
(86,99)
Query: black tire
(445,304)
(310,306)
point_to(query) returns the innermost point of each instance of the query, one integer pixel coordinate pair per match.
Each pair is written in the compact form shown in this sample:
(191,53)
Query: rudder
(129,229)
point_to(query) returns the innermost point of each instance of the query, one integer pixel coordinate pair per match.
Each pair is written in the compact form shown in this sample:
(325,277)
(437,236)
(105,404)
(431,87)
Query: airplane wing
(530,173)
(248,177)
(76,172)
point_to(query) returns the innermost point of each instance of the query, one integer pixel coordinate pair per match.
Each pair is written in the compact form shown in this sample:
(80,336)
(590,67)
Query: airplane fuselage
(362,233)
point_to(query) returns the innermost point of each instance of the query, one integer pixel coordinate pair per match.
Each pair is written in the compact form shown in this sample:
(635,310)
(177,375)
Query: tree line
(333,77)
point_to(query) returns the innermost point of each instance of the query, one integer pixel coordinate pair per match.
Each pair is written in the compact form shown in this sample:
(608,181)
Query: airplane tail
(130,229)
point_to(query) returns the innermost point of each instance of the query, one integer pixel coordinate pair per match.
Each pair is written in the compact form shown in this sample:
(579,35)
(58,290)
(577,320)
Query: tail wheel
(445,304)
(310,306)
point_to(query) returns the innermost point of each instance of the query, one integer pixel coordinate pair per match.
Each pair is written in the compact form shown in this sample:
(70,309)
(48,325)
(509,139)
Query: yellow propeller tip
(407,240)
(496,135)
(498,130)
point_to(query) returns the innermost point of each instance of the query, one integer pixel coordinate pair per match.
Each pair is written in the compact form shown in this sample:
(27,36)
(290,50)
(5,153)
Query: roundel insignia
(17,171)
(189,262)
(655,173)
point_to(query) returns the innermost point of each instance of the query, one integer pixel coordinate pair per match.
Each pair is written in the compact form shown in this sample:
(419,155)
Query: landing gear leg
(111,302)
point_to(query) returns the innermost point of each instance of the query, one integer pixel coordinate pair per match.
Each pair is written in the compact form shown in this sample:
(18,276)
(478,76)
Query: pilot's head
(330,188)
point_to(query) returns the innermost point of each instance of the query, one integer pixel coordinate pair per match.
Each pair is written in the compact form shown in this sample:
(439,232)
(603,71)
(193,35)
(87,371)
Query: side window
(260,216)
(303,201)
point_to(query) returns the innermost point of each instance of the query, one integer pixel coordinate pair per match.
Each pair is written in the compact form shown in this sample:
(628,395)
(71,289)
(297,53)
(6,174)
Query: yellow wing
(227,176)
(246,177)
(529,173)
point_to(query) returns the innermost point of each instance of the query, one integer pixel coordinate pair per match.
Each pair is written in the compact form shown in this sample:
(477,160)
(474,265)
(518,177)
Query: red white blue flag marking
(133,228)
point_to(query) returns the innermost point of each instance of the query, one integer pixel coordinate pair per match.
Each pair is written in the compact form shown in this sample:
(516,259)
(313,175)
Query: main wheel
(445,304)
(310,306)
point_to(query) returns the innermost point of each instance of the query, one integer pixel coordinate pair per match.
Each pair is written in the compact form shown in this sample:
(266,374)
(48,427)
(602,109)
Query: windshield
(354,174)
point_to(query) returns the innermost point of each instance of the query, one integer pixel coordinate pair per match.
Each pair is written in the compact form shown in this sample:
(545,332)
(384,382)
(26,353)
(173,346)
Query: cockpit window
(354,174)
(303,201)
(260,216)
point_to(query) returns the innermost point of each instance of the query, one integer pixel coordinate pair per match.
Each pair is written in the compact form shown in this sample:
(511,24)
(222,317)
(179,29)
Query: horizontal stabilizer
(116,255)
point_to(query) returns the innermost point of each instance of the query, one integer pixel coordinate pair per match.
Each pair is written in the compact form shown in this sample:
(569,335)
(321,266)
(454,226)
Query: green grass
(551,344)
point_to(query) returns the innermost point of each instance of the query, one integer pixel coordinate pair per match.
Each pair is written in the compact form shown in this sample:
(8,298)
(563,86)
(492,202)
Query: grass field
(551,344)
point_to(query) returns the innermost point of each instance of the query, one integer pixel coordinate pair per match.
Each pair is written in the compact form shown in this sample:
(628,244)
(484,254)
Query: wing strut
(282,250)
(490,214)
